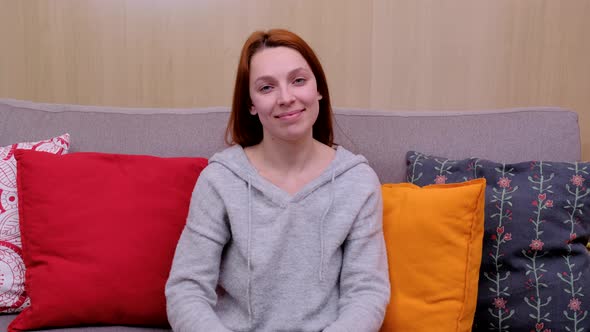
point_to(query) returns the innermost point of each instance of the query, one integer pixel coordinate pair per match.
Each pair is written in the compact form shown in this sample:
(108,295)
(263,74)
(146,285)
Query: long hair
(244,128)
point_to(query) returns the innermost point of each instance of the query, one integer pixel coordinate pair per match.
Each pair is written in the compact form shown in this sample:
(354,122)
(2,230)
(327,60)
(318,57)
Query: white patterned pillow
(12,267)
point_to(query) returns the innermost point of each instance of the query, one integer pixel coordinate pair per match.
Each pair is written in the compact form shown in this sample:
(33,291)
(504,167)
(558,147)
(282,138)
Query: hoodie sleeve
(364,278)
(190,290)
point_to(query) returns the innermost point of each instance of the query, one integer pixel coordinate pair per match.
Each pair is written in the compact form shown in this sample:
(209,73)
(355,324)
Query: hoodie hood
(237,162)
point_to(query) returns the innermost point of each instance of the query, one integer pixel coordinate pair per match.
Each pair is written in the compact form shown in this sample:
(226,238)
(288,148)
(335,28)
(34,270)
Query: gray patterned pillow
(535,269)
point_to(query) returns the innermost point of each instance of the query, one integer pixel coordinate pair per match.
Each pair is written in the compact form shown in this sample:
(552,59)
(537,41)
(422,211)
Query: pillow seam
(24,240)
(469,258)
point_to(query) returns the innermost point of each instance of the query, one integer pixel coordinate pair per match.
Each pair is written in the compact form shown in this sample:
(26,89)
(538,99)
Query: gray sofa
(383,137)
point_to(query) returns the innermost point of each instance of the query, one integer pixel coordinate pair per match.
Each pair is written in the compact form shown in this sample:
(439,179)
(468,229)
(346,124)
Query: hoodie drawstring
(322,226)
(249,249)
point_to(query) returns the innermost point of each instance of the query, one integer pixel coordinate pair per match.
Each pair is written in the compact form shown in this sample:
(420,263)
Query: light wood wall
(378,54)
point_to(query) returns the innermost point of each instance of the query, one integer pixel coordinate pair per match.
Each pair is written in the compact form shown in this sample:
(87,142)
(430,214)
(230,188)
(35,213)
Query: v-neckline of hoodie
(278,194)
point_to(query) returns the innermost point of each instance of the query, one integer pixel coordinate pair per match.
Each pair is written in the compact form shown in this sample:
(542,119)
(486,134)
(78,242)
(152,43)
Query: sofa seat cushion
(5,320)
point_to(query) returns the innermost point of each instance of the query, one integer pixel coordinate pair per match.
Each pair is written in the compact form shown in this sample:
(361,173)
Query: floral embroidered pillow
(12,268)
(535,269)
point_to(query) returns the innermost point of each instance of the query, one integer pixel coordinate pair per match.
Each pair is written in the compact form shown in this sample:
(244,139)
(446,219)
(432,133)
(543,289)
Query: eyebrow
(266,77)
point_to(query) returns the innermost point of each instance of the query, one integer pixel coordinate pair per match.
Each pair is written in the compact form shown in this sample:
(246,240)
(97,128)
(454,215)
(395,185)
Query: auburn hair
(244,128)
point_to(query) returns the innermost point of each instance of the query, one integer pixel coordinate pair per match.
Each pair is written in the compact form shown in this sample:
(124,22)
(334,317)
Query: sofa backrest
(384,137)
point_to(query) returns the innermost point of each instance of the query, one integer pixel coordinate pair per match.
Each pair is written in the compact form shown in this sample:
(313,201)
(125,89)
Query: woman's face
(284,94)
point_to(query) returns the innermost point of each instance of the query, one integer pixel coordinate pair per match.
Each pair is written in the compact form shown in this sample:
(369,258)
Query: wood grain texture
(378,54)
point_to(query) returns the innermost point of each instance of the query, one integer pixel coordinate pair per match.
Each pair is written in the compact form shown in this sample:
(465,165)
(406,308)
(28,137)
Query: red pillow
(99,233)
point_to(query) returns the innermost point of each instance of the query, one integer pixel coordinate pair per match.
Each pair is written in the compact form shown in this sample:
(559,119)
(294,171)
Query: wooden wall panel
(437,54)
(379,54)
(165,53)
(430,54)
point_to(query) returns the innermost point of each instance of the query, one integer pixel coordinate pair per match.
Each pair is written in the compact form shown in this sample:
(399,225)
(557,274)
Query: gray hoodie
(254,258)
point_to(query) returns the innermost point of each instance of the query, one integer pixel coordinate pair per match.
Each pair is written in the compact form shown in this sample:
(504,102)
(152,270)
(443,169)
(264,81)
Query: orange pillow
(434,245)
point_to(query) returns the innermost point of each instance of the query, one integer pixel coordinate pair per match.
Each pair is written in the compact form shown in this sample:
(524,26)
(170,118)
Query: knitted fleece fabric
(254,258)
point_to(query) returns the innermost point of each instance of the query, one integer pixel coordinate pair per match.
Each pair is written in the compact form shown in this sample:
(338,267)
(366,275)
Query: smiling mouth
(289,114)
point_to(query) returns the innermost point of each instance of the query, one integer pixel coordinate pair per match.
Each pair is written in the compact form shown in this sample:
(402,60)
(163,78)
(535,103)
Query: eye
(299,81)
(265,88)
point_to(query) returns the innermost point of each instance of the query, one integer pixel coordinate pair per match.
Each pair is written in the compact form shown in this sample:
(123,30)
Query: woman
(284,231)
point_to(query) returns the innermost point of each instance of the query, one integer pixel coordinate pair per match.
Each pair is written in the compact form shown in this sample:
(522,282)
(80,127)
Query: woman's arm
(190,290)
(364,278)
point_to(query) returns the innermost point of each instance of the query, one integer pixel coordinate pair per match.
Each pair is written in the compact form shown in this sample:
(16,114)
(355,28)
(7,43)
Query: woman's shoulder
(231,152)
(226,165)
(356,168)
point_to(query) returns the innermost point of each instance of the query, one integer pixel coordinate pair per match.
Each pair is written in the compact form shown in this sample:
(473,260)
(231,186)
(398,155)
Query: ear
(253,110)
(320,96)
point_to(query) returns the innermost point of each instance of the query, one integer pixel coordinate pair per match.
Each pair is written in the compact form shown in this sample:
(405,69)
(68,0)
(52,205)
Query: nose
(286,96)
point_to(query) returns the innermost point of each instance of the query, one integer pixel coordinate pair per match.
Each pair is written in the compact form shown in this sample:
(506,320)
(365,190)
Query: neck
(288,156)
